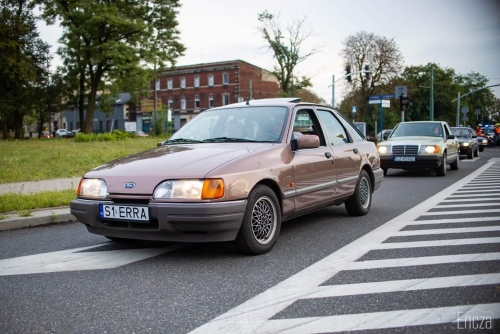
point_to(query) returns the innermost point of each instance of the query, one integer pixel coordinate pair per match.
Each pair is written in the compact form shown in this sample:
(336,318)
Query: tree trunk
(81,100)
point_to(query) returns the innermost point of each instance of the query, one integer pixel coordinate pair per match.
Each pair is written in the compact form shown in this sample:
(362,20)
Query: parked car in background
(46,134)
(468,141)
(63,133)
(141,134)
(233,173)
(420,145)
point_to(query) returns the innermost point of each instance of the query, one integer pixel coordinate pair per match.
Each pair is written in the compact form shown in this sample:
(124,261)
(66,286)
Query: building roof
(218,63)
(122,98)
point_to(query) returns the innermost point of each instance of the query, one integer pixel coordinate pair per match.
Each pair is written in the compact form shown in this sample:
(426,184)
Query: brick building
(189,90)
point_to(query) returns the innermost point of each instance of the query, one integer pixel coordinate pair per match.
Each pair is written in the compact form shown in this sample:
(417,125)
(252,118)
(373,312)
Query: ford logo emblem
(129,185)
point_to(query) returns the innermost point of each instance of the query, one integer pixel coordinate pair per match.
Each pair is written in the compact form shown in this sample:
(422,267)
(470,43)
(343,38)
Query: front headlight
(92,188)
(382,149)
(430,149)
(190,189)
(464,144)
(485,141)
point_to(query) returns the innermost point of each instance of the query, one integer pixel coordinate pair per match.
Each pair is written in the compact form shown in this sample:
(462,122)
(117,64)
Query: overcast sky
(459,34)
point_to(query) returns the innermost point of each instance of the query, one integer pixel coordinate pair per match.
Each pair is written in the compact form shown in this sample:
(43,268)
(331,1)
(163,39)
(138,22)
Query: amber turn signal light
(212,189)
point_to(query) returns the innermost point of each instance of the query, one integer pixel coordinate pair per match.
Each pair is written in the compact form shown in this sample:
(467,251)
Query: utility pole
(154,108)
(432,95)
(333,91)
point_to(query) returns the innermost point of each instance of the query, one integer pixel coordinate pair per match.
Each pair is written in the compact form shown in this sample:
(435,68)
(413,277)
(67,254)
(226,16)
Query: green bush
(115,135)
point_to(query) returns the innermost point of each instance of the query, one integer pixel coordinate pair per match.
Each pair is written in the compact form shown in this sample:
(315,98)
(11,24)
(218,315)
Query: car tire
(441,170)
(476,152)
(360,202)
(261,223)
(385,171)
(481,149)
(469,154)
(456,164)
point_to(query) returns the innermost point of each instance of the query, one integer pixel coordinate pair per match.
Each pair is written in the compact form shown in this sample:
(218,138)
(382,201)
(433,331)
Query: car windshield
(418,129)
(248,124)
(461,132)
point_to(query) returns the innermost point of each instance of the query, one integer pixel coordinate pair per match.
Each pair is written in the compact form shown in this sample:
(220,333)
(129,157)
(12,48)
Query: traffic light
(367,74)
(348,73)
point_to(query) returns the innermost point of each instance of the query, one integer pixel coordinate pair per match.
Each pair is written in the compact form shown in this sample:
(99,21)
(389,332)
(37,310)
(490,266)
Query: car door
(314,175)
(346,156)
(452,145)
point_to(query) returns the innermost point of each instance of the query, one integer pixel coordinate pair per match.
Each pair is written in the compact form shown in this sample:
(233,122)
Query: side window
(306,123)
(336,132)
(352,129)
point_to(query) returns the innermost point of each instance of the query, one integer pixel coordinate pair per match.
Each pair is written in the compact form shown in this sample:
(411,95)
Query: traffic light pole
(342,78)
(459,97)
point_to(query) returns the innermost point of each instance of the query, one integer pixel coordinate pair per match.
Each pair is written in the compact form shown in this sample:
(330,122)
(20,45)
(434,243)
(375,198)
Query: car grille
(405,149)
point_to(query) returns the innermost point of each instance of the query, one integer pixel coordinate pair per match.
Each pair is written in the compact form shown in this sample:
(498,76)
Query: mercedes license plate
(125,212)
(404,159)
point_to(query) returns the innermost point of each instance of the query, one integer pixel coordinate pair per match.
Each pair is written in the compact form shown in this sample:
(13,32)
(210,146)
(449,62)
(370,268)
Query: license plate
(125,212)
(405,159)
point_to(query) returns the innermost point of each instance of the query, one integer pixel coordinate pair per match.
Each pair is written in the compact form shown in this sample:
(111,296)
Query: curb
(38,218)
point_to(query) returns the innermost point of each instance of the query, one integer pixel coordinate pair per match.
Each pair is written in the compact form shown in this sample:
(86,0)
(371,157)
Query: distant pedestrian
(497,134)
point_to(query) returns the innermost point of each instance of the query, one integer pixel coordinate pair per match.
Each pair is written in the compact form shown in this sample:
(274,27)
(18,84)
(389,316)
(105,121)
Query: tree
(22,55)
(493,111)
(482,99)
(107,44)
(287,50)
(387,63)
(307,95)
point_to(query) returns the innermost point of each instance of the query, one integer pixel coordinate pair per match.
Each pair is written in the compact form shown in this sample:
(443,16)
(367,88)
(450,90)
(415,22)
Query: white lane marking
(489,191)
(404,285)
(378,320)
(443,213)
(465,200)
(485,196)
(422,261)
(467,205)
(438,243)
(252,316)
(447,230)
(71,260)
(452,220)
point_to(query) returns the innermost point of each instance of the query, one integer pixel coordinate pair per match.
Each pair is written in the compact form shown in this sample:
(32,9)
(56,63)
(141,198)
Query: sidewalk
(42,216)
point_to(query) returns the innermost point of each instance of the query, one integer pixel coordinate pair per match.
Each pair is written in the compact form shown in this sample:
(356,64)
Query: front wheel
(476,152)
(385,171)
(360,202)
(261,223)
(441,170)
(454,165)
(481,149)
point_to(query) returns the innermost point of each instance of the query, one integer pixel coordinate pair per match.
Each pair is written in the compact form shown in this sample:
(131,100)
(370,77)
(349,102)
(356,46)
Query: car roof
(279,101)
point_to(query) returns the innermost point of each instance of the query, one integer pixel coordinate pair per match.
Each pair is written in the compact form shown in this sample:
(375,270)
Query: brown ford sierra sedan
(233,173)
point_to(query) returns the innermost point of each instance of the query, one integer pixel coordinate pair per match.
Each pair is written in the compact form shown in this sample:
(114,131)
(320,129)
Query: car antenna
(249,91)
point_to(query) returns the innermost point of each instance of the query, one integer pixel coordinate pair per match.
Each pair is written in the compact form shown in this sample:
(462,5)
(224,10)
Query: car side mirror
(450,137)
(386,136)
(474,136)
(307,141)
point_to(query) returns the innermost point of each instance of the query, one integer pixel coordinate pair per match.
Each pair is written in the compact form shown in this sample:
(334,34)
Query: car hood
(414,140)
(463,140)
(147,169)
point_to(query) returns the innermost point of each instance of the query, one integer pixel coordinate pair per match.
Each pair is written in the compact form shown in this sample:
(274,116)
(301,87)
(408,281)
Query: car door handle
(328,155)
(355,150)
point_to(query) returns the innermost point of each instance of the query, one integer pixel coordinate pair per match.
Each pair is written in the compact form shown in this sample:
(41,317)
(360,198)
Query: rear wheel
(261,223)
(360,202)
(469,154)
(385,171)
(481,149)
(441,170)
(476,152)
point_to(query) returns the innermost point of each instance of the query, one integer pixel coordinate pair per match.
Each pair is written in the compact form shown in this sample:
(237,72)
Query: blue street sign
(381,97)
(353,109)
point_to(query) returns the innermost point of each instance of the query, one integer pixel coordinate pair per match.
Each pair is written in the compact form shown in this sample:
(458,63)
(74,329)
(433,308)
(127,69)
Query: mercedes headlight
(465,144)
(382,149)
(92,188)
(190,189)
(430,149)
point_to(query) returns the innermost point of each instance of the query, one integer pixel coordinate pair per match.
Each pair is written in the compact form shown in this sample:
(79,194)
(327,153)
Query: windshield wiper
(228,139)
(182,140)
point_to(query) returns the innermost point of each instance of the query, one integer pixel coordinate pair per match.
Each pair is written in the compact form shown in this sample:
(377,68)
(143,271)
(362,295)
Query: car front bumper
(464,150)
(421,162)
(179,222)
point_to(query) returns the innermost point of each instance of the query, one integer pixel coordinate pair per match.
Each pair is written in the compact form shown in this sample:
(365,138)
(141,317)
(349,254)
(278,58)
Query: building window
(197,102)
(100,126)
(225,99)
(116,125)
(158,84)
(71,126)
(210,79)
(170,104)
(210,101)
(170,84)
(197,81)
(225,78)
(183,103)
(108,126)
(183,82)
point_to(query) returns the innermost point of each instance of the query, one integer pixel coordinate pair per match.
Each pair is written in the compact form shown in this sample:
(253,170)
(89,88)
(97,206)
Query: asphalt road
(61,279)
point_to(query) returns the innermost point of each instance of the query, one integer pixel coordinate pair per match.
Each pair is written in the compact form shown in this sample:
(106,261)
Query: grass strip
(24,204)
(46,159)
